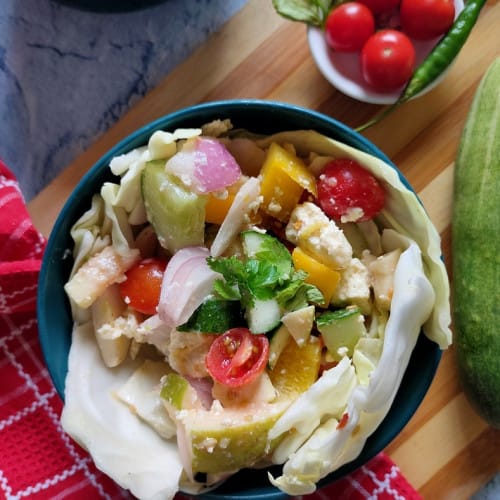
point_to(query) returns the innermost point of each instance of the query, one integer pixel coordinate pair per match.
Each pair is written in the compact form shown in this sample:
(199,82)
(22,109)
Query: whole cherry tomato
(237,357)
(381,6)
(387,60)
(349,192)
(142,286)
(426,19)
(348,26)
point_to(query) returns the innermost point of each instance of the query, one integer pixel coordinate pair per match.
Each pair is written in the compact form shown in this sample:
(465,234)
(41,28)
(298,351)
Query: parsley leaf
(226,291)
(271,251)
(262,278)
(298,294)
(265,273)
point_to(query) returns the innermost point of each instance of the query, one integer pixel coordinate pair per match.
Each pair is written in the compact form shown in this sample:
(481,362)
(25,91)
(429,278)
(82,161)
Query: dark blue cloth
(67,75)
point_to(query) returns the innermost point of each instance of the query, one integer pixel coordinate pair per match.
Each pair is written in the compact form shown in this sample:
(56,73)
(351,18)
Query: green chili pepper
(441,56)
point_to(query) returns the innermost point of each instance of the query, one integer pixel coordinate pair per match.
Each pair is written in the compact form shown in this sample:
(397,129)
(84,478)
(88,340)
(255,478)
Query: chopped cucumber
(177,215)
(253,242)
(264,247)
(178,393)
(341,330)
(263,316)
(214,316)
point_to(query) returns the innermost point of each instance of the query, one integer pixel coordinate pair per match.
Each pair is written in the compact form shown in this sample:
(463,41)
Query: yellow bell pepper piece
(323,277)
(284,178)
(216,208)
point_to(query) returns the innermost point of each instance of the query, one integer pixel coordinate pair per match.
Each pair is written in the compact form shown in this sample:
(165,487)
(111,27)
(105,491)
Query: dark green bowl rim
(109,6)
(267,117)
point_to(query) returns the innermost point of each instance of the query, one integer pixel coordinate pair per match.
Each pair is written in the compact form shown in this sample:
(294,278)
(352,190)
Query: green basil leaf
(312,12)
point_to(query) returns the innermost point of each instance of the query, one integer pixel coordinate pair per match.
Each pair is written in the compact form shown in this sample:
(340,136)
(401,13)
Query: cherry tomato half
(237,357)
(141,289)
(381,6)
(349,192)
(387,60)
(426,19)
(348,26)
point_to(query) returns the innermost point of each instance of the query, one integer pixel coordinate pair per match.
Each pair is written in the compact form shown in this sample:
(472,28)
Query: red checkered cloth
(38,459)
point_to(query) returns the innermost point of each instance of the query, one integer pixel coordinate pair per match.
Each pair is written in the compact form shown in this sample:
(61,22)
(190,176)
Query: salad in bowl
(245,300)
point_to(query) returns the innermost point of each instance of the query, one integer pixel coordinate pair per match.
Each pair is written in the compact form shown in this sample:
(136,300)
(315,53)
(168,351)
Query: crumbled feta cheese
(216,407)
(354,286)
(207,444)
(318,235)
(220,195)
(217,127)
(273,207)
(123,325)
(352,214)
(224,442)
(342,351)
(381,272)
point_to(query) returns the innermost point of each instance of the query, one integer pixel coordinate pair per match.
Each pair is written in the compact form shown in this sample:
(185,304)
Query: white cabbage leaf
(141,393)
(128,195)
(121,445)
(88,235)
(327,396)
(162,144)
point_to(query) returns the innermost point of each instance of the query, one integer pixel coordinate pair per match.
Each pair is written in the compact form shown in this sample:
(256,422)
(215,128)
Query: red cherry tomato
(237,357)
(348,26)
(349,192)
(141,289)
(426,19)
(381,6)
(387,60)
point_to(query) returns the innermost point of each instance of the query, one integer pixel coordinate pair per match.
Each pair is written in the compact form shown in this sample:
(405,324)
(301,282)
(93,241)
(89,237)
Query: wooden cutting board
(446,450)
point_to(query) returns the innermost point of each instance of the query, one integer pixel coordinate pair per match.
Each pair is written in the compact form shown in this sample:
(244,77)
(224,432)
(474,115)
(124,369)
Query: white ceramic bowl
(342,70)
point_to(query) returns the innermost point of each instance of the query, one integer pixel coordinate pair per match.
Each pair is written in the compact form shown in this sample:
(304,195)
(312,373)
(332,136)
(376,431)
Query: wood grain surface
(446,450)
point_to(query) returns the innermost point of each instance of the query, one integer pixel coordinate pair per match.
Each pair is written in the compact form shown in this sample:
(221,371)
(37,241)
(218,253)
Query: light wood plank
(447,434)
(467,472)
(437,198)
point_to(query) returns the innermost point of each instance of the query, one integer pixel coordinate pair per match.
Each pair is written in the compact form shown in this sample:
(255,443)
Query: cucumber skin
(476,250)
(181,222)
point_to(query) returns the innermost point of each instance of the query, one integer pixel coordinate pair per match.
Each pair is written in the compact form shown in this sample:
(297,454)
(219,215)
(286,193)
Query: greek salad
(243,300)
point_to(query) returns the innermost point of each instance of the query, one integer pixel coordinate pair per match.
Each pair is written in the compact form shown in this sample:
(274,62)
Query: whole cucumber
(476,250)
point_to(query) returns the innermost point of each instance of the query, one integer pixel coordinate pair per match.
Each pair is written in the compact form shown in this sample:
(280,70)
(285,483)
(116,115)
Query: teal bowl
(266,117)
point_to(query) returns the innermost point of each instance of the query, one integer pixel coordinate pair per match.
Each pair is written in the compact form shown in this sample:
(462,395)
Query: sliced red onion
(179,258)
(203,388)
(204,166)
(186,283)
